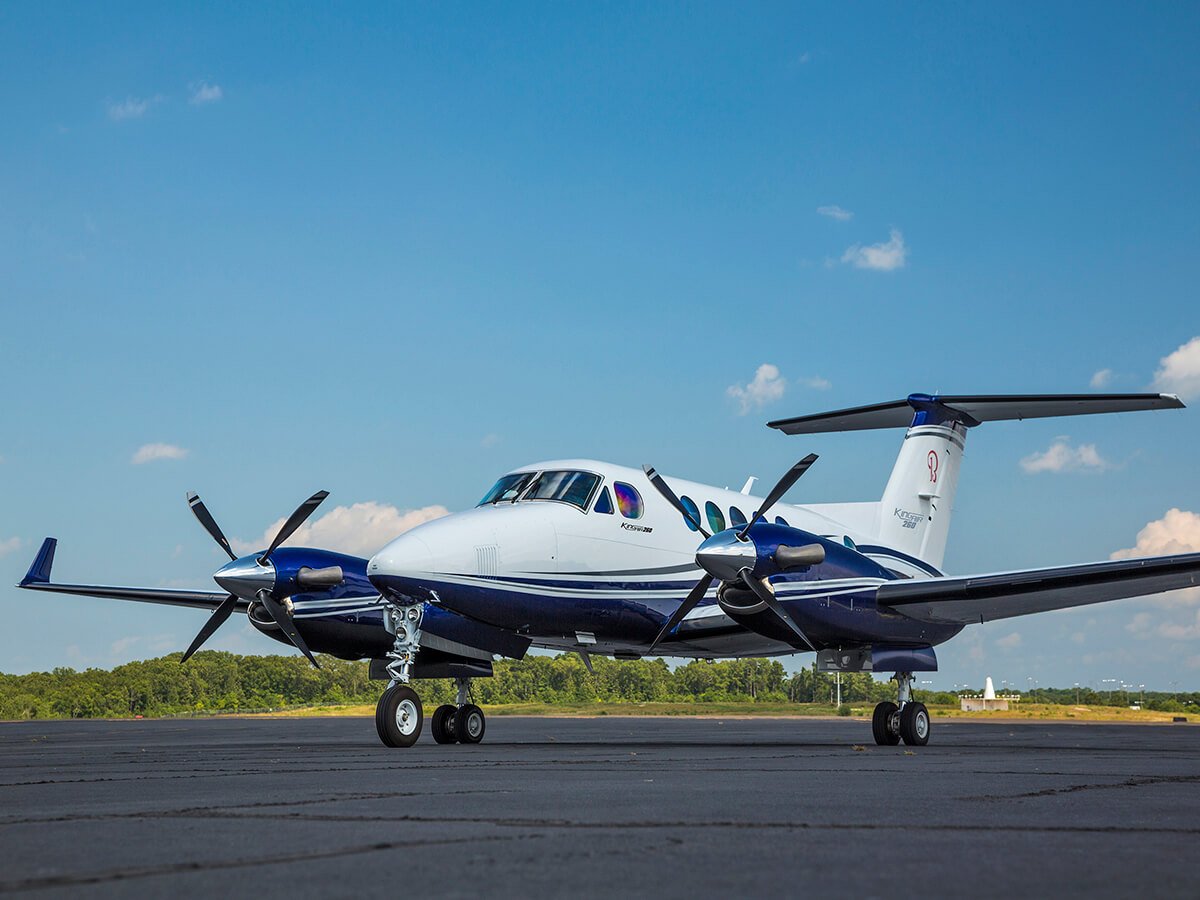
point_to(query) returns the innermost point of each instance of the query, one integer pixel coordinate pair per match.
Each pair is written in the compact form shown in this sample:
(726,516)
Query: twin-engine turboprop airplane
(591,557)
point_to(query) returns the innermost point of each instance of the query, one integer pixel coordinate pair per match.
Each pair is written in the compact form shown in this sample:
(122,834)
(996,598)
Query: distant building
(989,701)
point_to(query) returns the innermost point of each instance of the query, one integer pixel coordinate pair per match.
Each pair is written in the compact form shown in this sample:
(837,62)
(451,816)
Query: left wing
(982,598)
(38,579)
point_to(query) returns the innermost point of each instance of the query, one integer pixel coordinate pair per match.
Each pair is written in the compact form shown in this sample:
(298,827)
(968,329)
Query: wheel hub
(406,717)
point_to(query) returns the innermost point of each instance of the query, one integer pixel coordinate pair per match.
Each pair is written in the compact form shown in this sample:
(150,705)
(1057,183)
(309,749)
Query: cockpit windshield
(509,487)
(565,486)
(562,485)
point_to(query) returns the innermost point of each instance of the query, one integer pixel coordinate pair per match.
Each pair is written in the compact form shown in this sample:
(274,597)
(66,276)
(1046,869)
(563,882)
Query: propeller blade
(663,488)
(210,524)
(686,607)
(284,621)
(303,511)
(215,621)
(766,596)
(790,477)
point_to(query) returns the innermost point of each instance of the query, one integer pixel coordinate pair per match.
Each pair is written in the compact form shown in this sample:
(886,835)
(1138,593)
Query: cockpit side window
(604,504)
(629,501)
(564,486)
(508,488)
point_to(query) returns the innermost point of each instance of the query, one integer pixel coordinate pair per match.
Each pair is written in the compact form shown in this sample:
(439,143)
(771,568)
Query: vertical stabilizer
(914,514)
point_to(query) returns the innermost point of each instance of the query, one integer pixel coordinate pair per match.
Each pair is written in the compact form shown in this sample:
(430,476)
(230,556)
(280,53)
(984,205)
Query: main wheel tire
(398,716)
(884,725)
(469,724)
(914,724)
(441,724)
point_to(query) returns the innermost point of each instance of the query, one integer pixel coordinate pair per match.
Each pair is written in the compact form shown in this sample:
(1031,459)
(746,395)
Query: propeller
(722,556)
(252,574)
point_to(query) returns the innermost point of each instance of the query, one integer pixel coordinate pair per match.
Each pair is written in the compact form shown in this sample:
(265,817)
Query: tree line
(218,682)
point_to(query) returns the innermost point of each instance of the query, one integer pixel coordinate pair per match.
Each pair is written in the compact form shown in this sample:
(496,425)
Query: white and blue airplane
(589,557)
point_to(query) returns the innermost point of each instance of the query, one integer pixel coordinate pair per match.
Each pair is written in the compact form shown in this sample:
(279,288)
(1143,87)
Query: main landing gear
(399,715)
(907,721)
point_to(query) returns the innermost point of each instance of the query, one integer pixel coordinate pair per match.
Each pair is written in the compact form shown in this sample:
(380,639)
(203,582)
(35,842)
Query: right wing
(38,579)
(983,598)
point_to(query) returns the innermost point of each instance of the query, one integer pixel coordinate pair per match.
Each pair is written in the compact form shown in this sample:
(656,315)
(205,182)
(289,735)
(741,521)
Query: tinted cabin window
(690,505)
(604,504)
(780,520)
(736,517)
(629,501)
(564,486)
(509,487)
(716,519)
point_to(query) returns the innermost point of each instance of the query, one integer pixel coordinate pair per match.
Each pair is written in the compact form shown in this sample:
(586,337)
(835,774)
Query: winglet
(39,572)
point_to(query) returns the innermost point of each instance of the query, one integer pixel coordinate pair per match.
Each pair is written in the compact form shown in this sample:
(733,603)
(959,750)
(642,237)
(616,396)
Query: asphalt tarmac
(611,806)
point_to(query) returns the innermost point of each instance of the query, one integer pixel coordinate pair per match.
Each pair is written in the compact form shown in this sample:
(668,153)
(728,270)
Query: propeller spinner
(253,577)
(731,557)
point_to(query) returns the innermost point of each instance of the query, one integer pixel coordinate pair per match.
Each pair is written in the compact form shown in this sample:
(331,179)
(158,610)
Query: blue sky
(391,252)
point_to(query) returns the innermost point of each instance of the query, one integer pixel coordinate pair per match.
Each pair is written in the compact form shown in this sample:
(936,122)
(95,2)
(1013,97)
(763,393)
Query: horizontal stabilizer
(970,410)
(38,579)
(984,598)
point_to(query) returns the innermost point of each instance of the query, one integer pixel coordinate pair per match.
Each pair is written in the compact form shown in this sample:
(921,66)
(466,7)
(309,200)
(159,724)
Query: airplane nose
(407,553)
(245,577)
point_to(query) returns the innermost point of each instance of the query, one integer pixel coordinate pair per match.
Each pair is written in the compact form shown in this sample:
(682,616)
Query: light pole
(1077,693)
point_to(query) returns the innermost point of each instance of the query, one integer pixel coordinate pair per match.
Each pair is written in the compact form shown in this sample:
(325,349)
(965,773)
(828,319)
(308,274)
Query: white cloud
(131,107)
(767,387)
(1009,641)
(804,58)
(491,439)
(10,545)
(1101,379)
(880,257)
(360,529)
(835,212)
(1062,457)
(1179,372)
(1176,532)
(151,452)
(203,92)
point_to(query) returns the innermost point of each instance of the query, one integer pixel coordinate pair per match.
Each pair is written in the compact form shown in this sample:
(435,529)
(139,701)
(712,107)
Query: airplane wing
(982,598)
(38,579)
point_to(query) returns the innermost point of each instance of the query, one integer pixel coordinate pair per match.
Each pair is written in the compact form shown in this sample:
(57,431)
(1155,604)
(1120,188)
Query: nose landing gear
(907,721)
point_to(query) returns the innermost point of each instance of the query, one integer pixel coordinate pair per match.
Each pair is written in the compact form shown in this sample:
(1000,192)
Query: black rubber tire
(914,724)
(441,724)
(395,699)
(880,722)
(469,724)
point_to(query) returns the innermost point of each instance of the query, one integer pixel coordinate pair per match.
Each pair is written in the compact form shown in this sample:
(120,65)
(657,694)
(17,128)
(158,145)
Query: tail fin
(39,572)
(914,514)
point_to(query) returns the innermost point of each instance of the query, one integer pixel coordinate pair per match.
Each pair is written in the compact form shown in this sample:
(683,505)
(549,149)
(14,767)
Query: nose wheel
(907,721)
(399,717)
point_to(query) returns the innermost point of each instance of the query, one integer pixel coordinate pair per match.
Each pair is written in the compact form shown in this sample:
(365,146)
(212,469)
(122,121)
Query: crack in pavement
(1108,786)
(179,868)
